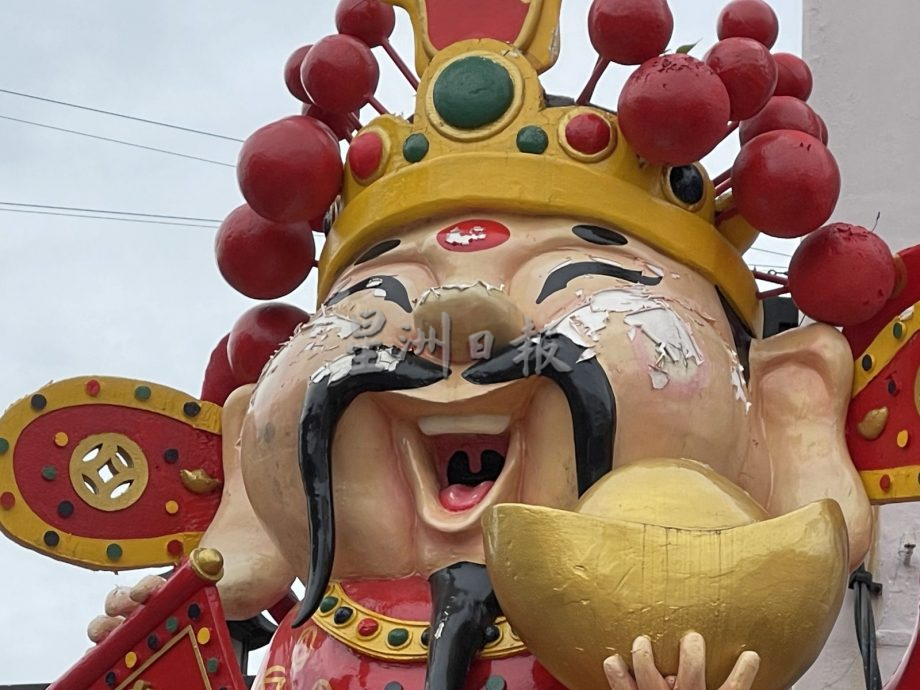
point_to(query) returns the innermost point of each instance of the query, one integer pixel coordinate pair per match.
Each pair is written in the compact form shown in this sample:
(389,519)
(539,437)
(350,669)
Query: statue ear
(800,388)
(256,575)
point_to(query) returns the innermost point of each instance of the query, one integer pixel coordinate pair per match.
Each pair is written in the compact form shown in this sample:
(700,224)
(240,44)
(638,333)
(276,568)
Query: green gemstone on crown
(473,92)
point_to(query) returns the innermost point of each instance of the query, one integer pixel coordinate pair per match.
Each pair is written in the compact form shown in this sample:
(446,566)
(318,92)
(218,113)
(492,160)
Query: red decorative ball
(263,259)
(749,19)
(748,71)
(257,334)
(842,274)
(340,73)
(674,110)
(370,21)
(782,112)
(365,155)
(292,74)
(629,32)
(219,380)
(785,183)
(793,76)
(588,133)
(291,170)
(343,126)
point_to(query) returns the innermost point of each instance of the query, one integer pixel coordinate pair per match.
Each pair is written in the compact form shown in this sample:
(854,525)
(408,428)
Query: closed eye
(562,276)
(393,291)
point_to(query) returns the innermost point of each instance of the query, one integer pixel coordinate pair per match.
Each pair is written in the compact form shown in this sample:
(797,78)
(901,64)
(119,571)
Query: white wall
(867,88)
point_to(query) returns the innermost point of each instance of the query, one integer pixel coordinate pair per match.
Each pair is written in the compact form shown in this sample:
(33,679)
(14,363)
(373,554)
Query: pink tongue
(458,497)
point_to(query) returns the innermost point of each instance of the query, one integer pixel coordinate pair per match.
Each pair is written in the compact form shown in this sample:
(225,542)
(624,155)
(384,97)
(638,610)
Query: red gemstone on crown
(365,155)
(588,134)
(368,627)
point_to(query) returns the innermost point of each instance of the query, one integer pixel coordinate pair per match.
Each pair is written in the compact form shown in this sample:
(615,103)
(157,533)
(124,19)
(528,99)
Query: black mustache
(463,606)
(586,388)
(326,401)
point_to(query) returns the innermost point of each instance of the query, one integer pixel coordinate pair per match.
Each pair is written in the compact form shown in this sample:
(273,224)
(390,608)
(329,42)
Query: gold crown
(484,138)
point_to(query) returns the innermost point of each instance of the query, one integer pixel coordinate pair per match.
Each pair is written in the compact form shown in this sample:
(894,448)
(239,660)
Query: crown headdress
(485,136)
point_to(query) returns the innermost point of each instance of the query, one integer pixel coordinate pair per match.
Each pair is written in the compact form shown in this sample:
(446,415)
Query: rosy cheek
(473,235)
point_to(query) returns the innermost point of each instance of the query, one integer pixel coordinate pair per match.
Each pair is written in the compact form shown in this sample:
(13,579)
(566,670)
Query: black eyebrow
(561,277)
(393,291)
(377,250)
(598,235)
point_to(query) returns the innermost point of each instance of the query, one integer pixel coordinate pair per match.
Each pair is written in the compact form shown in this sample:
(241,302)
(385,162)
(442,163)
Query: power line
(117,213)
(126,220)
(121,115)
(116,141)
(770,251)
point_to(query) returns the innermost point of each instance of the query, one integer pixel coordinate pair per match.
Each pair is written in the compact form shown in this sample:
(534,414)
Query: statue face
(413,472)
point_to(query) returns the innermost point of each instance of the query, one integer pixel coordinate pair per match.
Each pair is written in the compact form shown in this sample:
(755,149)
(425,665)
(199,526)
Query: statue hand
(119,603)
(691,672)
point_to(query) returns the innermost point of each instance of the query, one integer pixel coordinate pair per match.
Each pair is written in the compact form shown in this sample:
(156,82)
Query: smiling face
(414,471)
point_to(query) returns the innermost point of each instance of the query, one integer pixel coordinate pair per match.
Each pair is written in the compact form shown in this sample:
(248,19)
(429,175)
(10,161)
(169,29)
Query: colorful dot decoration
(38,402)
(533,140)
(61,439)
(131,659)
(171,507)
(415,148)
(204,636)
(4,446)
(903,438)
(142,393)
(473,92)
(7,500)
(114,552)
(398,638)
(92,388)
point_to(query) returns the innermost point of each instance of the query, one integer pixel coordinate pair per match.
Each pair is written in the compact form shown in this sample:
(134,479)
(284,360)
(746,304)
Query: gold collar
(392,639)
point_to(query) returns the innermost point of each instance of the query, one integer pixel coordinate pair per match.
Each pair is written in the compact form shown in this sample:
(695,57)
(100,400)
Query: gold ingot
(873,424)
(199,481)
(579,588)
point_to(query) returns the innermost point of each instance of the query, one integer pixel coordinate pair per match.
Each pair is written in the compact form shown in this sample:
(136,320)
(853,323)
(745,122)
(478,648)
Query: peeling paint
(653,316)
(332,324)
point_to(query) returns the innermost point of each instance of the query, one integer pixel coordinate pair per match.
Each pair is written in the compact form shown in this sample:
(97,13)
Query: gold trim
(885,347)
(904,484)
(24,526)
(578,155)
(507,644)
(487,131)
(186,632)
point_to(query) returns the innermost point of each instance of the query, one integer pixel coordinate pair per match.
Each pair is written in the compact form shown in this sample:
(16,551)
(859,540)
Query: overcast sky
(146,301)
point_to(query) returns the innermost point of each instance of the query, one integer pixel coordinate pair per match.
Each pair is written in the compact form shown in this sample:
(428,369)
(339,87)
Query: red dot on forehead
(473,235)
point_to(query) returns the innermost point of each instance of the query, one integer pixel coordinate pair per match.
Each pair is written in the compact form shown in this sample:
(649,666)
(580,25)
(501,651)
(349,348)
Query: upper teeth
(490,424)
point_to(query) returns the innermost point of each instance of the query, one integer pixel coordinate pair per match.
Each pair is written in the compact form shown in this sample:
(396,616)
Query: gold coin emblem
(109,471)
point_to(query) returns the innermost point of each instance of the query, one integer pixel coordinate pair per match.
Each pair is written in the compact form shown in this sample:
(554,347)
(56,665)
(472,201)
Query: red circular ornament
(782,112)
(290,170)
(473,235)
(257,334)
(588,133)
(365,155)
(674,110)
(842,274)
(92,388)
(219,380)
(629,32)
(340,74)
(794,77)
(292,74)
(749,19)
(370,21)
(263,259)
(174,548)
(748,71)
(7,500)
(785,183)
(885,483)
(368,627)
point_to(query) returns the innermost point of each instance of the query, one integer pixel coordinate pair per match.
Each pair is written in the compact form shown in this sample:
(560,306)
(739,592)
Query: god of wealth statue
(533,436)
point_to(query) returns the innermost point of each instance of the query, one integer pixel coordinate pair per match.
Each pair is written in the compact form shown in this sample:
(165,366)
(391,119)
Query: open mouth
(467,465)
